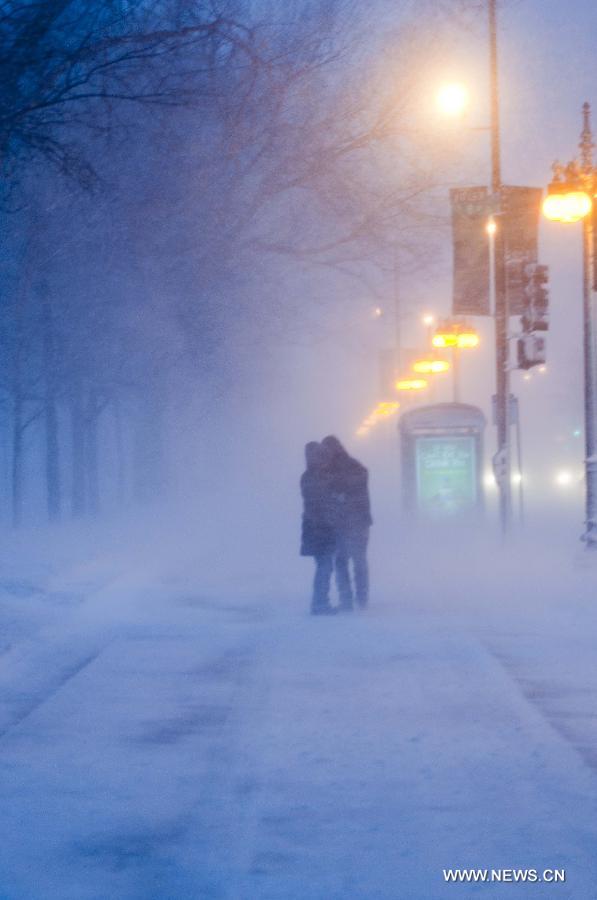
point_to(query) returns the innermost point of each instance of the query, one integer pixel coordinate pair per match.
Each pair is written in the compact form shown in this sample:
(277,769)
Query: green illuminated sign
(446,475)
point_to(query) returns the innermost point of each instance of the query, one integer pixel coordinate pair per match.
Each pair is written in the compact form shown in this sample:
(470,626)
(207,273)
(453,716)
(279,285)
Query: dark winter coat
(349,485)
(318,536)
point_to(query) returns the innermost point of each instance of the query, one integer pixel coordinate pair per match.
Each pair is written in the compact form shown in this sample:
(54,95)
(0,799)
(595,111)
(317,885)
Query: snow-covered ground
(161,738)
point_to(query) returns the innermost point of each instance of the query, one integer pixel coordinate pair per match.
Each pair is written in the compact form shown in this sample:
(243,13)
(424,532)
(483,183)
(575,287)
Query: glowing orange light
(452,99)
(383,410)
(568,207)
(491,226)
(468,340)
(411,384)
(431,366)
(463,340)
(444,340)
(386,409)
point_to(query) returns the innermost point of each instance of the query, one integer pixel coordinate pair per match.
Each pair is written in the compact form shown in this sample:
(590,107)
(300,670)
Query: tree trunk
(18,403)
(92,455)
(17,459)
(120,460)
(53,485)
(78,453)
(148,470)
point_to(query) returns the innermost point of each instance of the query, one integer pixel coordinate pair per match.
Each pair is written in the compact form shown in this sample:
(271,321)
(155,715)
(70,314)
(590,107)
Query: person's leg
(358,549)
(342,573)
(321,582)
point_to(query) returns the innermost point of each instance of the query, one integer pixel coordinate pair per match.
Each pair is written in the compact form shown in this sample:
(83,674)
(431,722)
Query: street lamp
(501,459)
(570,199)
(411,384)
(452,99)
(384,410)
(431,366)
(568,207)
(455,335)
(460,341)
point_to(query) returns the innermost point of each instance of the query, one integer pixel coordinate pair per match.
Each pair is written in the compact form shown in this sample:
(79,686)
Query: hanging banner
(521,209)
(470,212)
(471,208)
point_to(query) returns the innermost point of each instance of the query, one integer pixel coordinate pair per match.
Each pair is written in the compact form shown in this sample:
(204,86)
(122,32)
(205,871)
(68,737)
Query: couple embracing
(336,522)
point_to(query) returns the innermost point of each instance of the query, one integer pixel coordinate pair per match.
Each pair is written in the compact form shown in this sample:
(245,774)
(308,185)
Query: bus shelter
(442,459)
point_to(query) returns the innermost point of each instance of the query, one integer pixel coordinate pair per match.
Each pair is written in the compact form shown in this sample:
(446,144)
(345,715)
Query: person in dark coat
(351,518)
(318,537)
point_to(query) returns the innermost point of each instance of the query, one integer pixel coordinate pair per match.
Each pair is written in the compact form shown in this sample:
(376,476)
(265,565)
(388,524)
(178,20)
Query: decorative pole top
(586,141)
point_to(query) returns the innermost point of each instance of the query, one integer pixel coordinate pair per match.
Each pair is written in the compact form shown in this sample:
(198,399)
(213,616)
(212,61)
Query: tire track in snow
(569,709)
(36,699)
(204,725)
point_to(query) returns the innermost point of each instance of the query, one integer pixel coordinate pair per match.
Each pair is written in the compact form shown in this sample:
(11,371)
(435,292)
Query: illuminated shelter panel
(446,474)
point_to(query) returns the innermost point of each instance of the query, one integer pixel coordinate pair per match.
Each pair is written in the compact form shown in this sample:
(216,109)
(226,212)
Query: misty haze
(298,450)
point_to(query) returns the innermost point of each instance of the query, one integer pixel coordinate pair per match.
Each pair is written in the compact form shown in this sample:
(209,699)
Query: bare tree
(262,142)
(67,63)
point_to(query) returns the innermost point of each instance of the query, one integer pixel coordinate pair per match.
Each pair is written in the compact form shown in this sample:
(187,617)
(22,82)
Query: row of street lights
(571,198)
(450,334)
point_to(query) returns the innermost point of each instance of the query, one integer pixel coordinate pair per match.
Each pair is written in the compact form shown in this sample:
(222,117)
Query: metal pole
(397,317)
(456,374)
(496,177)
(501,300)
(520,473)
(590,535)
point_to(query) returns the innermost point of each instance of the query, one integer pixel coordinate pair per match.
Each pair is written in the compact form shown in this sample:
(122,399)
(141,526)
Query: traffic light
(535,316)
(531,351)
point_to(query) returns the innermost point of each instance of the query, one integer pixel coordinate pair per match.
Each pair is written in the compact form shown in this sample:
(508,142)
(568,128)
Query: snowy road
(206,751)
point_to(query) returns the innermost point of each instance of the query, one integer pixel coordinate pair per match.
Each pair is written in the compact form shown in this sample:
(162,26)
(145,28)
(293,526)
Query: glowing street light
(428,321)
(411,384)
(568,207)
(563,478)
(462,340)
(452,99)
(456,335)
(383,410)
(431,366)
(386,409)
(441,341)
(468,340)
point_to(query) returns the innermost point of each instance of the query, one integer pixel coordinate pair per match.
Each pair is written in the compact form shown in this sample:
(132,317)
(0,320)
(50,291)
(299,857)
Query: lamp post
(571,198)
(453,101)
(501,312)
(428,321)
